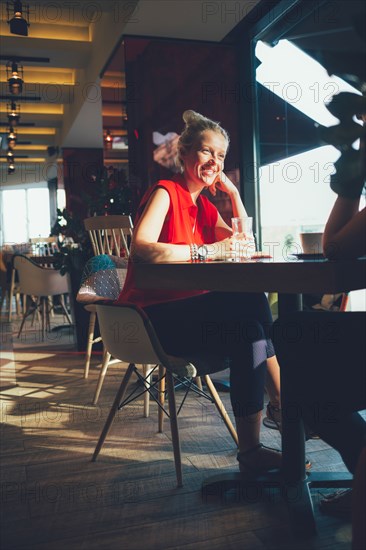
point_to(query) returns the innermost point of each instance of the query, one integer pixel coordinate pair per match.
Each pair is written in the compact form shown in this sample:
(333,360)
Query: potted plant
(74,251)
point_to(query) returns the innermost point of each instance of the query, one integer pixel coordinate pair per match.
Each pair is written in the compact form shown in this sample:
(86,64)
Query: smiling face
(204,161)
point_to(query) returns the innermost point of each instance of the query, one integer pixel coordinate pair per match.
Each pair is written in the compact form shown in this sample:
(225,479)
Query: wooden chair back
(110,234)
(44,246)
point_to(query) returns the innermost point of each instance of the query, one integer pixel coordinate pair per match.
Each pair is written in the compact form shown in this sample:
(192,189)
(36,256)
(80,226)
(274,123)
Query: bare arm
(145,246)
(345,231)
(222,230)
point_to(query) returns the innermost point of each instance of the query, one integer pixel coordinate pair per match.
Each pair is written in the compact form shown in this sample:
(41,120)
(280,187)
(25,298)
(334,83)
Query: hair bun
(191,117)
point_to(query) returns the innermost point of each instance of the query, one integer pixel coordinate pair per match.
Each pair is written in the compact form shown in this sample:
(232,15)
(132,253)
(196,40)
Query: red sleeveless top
(185,223)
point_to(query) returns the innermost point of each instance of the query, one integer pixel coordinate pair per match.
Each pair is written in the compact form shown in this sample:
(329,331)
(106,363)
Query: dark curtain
(79,167)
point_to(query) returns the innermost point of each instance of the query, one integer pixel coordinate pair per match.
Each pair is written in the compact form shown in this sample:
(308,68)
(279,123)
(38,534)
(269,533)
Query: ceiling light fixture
(11,168)
(14,74)
(108,139)
(12,138)
(10,156)
(13,114)
(18,24)
(11,162)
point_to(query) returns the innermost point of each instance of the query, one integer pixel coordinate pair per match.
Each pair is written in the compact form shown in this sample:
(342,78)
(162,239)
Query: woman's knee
(233,334)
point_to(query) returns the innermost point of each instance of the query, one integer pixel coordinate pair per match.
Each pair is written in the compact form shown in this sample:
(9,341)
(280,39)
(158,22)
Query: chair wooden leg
(221,408)
(37,309)
(50,306)
(89,347)
(63,307)
(18,307)
(174,427)
(11,293)
(3,298)
(29,311)
(161,399)
(112,413)
(103,371)
(146,371)
(48,314)
(43,314)
(198,383)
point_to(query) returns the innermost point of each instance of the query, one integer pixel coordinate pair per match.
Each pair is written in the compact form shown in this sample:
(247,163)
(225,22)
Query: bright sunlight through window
(294,192)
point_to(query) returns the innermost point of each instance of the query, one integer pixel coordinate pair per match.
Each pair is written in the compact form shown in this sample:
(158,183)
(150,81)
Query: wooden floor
(54,497)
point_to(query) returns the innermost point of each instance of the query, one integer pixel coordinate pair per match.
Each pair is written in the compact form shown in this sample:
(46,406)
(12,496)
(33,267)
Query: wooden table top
(293,276)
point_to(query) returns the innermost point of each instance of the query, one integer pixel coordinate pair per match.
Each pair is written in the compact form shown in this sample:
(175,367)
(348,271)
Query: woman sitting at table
(213,330)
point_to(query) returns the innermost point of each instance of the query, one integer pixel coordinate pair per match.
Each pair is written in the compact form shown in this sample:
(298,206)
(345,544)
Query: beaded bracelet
(194,252)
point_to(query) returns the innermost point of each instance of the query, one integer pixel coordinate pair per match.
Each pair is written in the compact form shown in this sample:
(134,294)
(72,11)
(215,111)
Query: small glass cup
(243,235)
(242,228)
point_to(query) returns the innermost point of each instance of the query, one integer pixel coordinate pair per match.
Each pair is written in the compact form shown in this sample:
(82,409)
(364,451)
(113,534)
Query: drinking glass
(243,235)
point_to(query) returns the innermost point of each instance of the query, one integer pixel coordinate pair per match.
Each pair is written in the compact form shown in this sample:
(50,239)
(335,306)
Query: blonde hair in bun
(195,124)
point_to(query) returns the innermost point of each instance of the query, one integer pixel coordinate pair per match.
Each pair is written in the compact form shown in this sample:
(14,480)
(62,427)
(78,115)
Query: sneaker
(272,420)
(337,504)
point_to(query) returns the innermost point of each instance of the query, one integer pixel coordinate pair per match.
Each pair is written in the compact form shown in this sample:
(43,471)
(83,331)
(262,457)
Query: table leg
(293,436)
(288,303)
(292,481)
(296,488)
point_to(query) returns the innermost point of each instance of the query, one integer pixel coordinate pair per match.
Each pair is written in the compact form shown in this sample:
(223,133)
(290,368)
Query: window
(294,165)
(14,215)
(300,58)
(25,213)
(38,212)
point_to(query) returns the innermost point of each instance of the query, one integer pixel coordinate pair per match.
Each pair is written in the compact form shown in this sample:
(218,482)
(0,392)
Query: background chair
(103,279)
(44,246)
(41,283)
(108,235)
(141,345)
(8,286)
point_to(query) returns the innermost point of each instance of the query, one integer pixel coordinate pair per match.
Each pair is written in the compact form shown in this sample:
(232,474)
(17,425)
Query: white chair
(43,247)
(41,283)
(109,235)
(103,279)
(129,335)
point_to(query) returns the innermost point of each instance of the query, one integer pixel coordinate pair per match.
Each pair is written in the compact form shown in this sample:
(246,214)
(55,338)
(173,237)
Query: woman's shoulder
(174,183)
(166,184)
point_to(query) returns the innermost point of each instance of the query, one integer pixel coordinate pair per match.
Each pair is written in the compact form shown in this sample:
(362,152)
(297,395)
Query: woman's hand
(232,248)
(349,178)
(224,184)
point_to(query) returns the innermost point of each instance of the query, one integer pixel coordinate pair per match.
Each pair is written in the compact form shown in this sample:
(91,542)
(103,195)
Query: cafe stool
(129,335)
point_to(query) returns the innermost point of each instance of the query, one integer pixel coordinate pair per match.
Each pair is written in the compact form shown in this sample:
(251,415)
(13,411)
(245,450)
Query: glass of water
(243,236)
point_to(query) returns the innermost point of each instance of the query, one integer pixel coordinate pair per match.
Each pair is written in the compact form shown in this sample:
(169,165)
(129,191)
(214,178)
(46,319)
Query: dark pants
(322,355)
(219,330)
